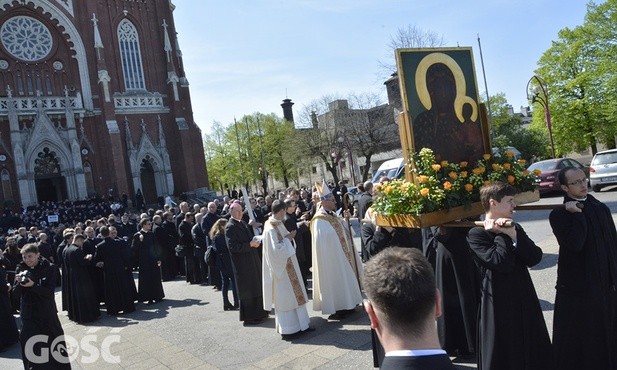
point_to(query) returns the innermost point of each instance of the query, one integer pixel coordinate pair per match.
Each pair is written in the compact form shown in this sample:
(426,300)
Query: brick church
(94,100)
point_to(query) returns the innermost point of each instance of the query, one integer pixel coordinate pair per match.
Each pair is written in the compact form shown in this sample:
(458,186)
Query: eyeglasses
(579,182)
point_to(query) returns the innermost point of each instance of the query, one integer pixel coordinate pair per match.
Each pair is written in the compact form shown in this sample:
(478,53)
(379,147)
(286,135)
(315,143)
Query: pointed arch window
(130,54)
(89,178)
(7,189)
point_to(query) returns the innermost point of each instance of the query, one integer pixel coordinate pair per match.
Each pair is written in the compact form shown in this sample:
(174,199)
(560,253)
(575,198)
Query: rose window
(26,38)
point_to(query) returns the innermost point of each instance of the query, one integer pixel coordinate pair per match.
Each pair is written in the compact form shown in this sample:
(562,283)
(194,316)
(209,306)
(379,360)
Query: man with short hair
(282,279)
(150,287)
(83,304)
(585,321)
(365,201)
(402,306)
(246,262)
(512,333)
(39,315)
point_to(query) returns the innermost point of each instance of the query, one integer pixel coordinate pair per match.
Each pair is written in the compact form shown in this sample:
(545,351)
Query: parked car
(603,171)
(548,180)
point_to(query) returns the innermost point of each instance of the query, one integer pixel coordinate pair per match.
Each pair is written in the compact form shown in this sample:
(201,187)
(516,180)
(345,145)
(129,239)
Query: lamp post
(539,94)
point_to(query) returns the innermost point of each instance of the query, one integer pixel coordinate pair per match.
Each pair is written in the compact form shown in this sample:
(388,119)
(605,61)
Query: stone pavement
(190,330)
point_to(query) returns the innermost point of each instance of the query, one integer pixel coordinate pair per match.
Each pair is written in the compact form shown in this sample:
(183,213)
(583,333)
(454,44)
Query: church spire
(162,141)
(172,76)
(100,59)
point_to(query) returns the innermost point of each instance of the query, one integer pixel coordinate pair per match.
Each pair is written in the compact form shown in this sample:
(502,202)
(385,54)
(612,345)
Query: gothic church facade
(94,100)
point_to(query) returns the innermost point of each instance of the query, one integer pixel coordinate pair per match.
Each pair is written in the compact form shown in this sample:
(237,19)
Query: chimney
(314,120)
(287,112)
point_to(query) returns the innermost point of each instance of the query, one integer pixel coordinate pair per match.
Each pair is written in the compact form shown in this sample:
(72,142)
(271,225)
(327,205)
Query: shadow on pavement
(548,260)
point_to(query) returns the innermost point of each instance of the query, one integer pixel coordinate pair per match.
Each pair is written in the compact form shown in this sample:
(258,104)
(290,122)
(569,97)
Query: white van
(393,168)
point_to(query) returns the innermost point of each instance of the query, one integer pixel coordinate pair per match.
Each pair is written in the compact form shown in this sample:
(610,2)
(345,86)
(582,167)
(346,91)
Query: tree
(509,131)
(329,130)
(408,37)
(579,69)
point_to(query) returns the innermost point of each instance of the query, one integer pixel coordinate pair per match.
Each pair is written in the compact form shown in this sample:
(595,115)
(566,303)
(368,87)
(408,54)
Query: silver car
(603,169)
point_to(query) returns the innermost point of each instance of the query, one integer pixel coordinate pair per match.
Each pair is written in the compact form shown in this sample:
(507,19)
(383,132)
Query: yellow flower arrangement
(446,185)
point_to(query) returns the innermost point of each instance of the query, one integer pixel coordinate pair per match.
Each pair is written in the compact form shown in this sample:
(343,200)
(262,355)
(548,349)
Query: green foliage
(580,70)
(532,141)
(235,156)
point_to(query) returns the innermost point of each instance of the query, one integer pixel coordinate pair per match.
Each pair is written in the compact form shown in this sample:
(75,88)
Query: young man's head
(290,205)
(573,182)
(30,254)
(403,299)
(278,209)
(498,199)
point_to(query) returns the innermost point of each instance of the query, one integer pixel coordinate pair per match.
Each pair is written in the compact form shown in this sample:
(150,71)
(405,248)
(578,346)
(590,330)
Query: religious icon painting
(440,95)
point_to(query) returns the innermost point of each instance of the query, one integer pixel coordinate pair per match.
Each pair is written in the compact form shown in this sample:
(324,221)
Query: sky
(246,56)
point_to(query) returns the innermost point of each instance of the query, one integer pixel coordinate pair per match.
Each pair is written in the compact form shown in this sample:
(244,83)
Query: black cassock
(96,275)
(246,263)
(83,304)
(119,286)
(458,282)
(512,333)
(585,321)
(149,287)
(8,327)
(39,316)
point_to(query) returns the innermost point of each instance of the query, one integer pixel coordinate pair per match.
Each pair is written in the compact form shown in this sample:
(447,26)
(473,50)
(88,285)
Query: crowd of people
(474,282)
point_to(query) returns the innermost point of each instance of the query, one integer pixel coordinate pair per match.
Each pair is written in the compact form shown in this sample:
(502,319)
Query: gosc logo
(66,348)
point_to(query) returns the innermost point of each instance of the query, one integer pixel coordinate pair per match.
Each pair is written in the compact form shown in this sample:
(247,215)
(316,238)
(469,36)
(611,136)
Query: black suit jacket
(366,200)
(433,362)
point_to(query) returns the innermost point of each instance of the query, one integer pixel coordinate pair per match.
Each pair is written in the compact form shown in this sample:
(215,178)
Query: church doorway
(148,181)
(49,182)
(50,189)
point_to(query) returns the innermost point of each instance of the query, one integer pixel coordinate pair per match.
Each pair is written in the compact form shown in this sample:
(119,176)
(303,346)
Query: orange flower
(403,187)
(537,172)
(469,187)
(486,157)
(378,187)
(509,153)
(453,175)
(388,189)
(486,182)
(522,162)
(506,166)
(447,185)
(464,164)
(463,173)
(511,179)
(422,179)
(478,170)
(496,166)
(525,173)
(444,163)
(424,192)
(436,167)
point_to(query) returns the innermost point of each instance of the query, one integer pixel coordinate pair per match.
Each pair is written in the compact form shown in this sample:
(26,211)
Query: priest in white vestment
(336,265)
(283,288)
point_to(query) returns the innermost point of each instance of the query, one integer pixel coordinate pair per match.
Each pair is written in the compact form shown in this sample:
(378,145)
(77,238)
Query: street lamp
(539,94)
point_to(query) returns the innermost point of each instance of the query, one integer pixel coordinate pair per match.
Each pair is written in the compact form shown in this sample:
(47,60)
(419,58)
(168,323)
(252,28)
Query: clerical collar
(579,199)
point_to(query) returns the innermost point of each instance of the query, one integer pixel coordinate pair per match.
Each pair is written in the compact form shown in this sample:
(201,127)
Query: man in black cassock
(83,305)
(150,287)
(8,327)
(512,333)
(458,282)
(115,263)
(585,322)
(246,264)
(96,274)
(38,312)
